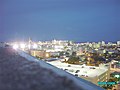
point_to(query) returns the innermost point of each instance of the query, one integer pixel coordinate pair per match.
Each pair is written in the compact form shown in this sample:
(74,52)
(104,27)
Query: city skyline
(78,20)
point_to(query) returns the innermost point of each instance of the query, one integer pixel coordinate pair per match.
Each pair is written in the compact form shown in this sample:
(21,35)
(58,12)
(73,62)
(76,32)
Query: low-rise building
(115,66)
(90,73)
(40,53)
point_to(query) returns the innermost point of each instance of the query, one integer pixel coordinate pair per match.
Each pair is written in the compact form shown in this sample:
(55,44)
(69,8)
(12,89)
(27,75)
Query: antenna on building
(29,43)
(30,40)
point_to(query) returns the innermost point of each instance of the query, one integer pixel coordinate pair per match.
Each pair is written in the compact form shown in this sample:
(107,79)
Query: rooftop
(90,71)
(20,71)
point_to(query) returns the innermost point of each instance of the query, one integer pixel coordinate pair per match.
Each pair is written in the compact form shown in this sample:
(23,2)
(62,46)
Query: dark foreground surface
(17,73)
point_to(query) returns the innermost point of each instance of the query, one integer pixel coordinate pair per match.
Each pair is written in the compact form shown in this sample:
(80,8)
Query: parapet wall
(20,71)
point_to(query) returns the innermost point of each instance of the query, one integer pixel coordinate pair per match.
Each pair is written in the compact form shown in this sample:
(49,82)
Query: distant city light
(22,45)
(35,46)
(15,46)
(117,76)
(47,55)
(88,58)
(29,46)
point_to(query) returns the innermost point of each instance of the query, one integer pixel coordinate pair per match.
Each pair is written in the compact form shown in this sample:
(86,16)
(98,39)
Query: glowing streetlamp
(35,46)
(15,46)
(22,46)
(117,76)
(88,58)
(29,46)
(47,55)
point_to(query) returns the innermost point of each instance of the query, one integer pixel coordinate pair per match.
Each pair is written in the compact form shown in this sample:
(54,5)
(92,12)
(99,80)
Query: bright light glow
(117,76)
(22,45)
(88,58)
(47,55)
(35,46)
(15,46)
(29,46)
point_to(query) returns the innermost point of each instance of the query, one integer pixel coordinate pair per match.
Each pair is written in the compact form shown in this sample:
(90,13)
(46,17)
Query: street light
(22,45)
(35,46)
(15,46)
(47,55)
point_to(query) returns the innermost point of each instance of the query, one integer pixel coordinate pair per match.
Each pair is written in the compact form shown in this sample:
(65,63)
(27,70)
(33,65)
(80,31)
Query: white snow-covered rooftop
(90,71)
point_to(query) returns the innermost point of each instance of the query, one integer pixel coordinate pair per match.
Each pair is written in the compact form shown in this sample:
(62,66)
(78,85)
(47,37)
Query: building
(40,53)
(89,73)
(115,66)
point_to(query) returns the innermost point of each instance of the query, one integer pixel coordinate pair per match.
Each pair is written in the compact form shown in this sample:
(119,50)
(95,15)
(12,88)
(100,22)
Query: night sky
(77,20)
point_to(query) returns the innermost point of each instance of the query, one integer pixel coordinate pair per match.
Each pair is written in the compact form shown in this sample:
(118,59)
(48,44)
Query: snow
(83,71)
